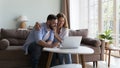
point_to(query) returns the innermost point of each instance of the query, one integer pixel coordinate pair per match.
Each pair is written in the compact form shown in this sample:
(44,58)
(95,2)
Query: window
(97,16)
(93,17)
(118,22)
(107,14)
(84,14)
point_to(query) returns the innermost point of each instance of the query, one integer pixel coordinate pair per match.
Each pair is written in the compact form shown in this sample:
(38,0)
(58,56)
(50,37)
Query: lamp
(22,20)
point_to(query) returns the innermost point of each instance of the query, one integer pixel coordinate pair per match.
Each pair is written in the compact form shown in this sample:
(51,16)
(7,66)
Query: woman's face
(61,22)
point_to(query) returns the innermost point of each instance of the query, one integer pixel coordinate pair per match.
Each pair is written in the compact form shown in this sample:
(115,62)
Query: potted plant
(106,35)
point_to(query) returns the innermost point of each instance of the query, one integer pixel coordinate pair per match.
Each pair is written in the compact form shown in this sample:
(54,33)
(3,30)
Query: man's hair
(51,17)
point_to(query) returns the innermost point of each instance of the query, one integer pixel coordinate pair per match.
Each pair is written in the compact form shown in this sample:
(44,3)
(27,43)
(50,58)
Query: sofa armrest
(91,42)
(102,49)
(4,43)
(0,34)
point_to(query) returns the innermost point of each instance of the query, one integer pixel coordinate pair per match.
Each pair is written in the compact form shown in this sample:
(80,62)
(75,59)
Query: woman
(61,32)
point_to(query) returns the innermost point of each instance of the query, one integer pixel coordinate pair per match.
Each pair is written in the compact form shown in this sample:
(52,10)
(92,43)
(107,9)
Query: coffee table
(80,51)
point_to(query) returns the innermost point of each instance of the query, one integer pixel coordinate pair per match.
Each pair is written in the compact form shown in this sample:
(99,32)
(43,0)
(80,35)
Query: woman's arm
(56,34)
(57,37)
(62,34)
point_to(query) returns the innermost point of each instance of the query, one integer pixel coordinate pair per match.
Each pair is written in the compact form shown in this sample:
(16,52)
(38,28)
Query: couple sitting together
(49,34)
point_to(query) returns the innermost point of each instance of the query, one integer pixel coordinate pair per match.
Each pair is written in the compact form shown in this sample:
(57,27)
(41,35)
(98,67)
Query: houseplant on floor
(106,35)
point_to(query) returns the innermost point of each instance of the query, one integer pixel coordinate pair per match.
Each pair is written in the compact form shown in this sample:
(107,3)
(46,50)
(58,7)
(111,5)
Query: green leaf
(106,35)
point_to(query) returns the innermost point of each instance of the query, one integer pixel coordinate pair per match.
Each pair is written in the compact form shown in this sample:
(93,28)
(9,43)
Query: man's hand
(48,44)
(37,26)
(56,44)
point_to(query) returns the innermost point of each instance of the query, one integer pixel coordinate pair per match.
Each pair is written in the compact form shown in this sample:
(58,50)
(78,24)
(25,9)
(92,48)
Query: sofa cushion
(81,32)
(4,43)
(16,42)
(13,33)
(90,41)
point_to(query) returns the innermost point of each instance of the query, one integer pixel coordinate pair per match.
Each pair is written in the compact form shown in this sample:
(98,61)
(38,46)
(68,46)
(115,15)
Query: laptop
(71,42)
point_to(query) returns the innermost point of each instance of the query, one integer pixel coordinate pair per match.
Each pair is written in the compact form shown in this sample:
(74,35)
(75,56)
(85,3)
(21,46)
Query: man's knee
(35,51)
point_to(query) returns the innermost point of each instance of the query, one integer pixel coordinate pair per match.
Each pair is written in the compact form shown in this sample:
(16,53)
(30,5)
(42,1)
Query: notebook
(71,42)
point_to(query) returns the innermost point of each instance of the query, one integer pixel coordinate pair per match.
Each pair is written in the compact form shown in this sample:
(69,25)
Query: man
(37,39)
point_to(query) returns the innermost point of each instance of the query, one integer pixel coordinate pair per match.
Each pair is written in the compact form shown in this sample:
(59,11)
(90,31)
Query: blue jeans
(54,60)
(35,51)
(62,58)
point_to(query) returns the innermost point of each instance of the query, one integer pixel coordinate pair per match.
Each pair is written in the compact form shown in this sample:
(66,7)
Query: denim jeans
(54,60)
(35,51)
(62,59)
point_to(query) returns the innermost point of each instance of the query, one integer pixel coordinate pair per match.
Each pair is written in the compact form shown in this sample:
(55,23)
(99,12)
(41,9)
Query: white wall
(35,10)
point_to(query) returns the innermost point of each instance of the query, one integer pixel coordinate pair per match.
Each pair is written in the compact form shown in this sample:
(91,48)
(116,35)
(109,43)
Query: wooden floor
(115,63)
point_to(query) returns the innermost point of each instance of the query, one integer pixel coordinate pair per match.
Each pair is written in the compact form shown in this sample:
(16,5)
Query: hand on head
(37,26)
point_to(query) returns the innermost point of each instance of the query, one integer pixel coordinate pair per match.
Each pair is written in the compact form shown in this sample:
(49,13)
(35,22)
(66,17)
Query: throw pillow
(4,43)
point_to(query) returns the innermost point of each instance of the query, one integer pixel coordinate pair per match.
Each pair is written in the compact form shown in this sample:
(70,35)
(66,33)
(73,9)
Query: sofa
(11,52)
(12,55)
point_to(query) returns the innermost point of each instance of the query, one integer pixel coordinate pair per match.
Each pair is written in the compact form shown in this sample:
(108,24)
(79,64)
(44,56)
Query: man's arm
(45,44)
(56,44)
(38,37)
(48,44)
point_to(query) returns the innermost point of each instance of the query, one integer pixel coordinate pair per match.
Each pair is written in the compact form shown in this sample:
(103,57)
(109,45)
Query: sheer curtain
(78,14)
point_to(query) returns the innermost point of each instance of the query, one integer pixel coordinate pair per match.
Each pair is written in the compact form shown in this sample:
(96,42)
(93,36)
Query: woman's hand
(55,29)
(37,26)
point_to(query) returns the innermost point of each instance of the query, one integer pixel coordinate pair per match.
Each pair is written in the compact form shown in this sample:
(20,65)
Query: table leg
(93,64)
(82,61)
(106,55)
(77,56)
(109,58)
(96,64)
(49,60)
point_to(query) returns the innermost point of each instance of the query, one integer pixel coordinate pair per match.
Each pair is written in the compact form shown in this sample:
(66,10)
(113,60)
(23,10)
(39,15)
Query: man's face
(52,23)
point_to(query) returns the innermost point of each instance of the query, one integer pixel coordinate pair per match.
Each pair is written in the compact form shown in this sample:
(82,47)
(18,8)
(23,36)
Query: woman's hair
(59,15)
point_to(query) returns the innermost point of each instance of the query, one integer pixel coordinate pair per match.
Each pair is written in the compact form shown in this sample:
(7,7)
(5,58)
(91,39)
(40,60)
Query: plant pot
(107,44)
